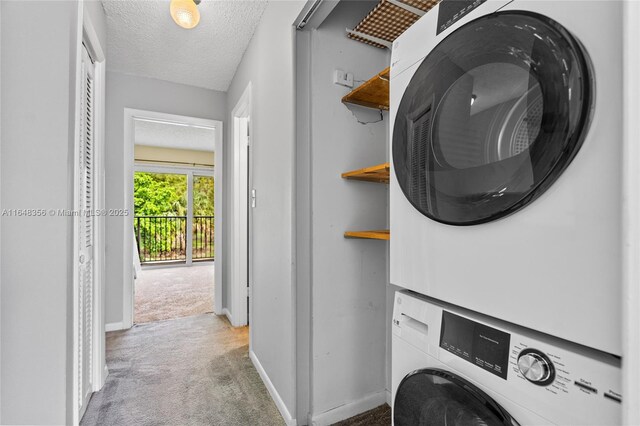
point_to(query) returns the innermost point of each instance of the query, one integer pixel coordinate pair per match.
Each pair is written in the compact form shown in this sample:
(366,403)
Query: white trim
(177,123)
(286,415)
(127,249)
(226,313)
(83,409)
(75,405)
(91,39)
(388,397)
(100,235)
(130,115)
(350,409)
(240,115)
(114,326)
(182,170)
(631,215)
(96,50)
(218,223)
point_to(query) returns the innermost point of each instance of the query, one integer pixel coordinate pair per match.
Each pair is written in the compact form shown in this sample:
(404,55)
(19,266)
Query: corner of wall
(282,407)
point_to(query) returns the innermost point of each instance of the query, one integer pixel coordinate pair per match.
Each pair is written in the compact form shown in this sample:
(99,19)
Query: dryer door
(439,398)
(491,118)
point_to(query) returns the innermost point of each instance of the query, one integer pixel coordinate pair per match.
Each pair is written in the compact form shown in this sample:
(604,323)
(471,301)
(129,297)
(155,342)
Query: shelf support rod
(371,38)
(407,7)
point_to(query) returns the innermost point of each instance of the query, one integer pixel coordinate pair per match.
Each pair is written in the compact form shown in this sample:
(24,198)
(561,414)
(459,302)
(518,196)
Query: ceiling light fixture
(185,13)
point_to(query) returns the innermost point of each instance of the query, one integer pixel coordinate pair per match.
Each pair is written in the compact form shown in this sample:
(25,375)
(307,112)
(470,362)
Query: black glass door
(439,398)
(491,118)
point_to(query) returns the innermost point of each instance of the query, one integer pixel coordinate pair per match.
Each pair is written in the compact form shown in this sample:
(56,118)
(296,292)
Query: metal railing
(203,227)
(164,238)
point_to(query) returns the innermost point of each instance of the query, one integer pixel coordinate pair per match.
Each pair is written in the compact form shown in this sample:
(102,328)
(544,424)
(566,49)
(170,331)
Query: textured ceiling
(167,135)
(143,40)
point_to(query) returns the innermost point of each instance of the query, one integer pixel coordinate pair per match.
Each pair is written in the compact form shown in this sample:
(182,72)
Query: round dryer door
(491,118)
(439,398)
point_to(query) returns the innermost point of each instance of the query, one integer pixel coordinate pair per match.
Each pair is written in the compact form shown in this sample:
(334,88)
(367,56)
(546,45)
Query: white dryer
(505,193)
(451,366)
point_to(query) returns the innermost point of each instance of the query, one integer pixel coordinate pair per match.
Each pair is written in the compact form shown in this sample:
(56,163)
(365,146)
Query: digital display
(450,11)
(479,344)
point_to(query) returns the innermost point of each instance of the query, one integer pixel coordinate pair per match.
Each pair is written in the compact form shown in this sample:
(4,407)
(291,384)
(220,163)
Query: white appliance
(449,363)
(505,193)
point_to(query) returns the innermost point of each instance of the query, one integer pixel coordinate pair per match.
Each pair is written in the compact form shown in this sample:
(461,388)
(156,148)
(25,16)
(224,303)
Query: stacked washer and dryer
(505,214)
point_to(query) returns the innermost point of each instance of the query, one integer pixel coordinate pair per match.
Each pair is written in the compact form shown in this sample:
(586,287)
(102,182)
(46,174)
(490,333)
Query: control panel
(536,367)
(556,380)
(582,374)
(570,384)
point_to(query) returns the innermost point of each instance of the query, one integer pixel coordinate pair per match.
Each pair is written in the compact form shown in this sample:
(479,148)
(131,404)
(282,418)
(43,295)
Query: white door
(85,197)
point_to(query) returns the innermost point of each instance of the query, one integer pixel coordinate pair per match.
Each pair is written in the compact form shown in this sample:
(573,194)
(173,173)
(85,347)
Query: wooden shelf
(372,94)
(379,173)
(371,235)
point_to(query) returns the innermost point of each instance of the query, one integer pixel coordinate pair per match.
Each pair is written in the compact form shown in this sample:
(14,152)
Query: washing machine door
(440,398)
(491,118)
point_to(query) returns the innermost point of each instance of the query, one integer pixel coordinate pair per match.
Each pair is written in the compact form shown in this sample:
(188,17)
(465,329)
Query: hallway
(188,371)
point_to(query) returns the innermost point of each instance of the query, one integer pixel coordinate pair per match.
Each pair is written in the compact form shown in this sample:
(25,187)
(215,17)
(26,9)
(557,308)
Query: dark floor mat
(379,416)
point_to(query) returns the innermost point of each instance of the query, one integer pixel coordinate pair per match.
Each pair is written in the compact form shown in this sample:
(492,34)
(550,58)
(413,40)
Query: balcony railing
(164,238)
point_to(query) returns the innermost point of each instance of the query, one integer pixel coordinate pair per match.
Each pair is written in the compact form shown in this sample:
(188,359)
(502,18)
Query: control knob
(536,367)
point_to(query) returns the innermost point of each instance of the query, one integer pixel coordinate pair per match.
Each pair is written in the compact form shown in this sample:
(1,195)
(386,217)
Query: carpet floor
(188,371)
(379,416)
(174,292)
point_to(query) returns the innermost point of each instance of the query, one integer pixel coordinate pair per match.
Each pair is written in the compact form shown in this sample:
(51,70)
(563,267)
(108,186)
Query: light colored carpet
(189,371)
(174,292)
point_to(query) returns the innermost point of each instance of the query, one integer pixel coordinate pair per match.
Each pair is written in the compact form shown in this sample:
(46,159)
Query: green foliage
(165,195)
(203,196)
(158,194)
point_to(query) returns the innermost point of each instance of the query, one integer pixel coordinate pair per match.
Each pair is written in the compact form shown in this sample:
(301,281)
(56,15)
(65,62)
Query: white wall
(348,277)
(127,91)
(303,226)
(37,173)
(268,64)
(631,217)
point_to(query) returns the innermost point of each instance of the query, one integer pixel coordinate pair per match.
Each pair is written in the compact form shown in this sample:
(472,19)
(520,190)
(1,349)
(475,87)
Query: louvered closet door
(85,234)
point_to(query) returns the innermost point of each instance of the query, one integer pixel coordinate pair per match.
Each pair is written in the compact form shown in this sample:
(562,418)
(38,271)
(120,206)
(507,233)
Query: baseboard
(225,312)
(114,326)
(350,409)
(286,415)
(388,397)
(99,382)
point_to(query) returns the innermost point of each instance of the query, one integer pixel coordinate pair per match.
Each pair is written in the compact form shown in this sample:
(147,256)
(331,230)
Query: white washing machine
(451,366)
(505,193)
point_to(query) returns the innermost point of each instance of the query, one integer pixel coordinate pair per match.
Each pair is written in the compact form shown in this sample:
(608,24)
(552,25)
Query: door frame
(88,36)
(130,115)
(240,238)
